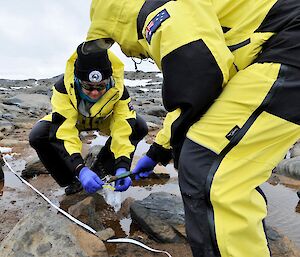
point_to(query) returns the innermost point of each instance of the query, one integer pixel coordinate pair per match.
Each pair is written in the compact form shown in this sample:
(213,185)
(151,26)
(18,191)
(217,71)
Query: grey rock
(30,237)
(30,101)
(289,167)
(157,111)
(85,211)
(34,167)
(152,119)
(91,160)
(295,150)
(161,215)
(6,126)
(157,214)
(44,248)
(280,245)
(105,234)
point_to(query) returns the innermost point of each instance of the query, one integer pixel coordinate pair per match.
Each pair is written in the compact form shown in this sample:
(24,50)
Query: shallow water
(283,202)
(283,210)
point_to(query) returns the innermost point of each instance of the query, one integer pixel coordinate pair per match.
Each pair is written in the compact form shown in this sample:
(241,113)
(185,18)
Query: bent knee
(39,133)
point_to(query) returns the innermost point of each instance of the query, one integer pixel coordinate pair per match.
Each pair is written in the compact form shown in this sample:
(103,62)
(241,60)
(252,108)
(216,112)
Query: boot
(74,187)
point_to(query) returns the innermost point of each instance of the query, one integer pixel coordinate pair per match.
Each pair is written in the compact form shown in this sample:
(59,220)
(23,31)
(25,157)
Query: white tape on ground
(78,222)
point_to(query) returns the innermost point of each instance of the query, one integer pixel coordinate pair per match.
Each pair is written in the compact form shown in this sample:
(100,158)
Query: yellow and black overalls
(56,136)
(231,85)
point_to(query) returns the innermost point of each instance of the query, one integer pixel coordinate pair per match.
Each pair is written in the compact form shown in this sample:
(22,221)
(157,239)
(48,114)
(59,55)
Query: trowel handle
(123,175)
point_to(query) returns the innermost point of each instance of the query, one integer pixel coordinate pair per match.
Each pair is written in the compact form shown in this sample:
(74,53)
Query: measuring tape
(78,222)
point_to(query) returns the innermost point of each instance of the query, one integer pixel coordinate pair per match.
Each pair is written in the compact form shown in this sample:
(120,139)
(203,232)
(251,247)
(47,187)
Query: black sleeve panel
(72,161)
(159,154)
(60,86)
(125,94)
(192,81)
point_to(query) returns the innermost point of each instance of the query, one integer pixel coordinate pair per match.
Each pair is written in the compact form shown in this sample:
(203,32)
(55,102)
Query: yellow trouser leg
(238,207)
(265,128)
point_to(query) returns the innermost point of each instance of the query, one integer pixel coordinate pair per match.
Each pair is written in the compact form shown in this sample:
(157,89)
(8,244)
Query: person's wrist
(78,169)
(120,171)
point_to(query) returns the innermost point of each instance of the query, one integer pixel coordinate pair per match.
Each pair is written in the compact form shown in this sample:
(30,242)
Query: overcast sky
(38,36)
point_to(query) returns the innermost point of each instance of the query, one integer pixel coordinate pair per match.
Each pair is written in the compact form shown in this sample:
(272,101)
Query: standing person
(232,85)
(90,96)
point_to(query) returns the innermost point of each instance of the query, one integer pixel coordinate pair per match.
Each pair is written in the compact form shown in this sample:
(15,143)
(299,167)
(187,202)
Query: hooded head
(92,74)
(116,20)
(92,67)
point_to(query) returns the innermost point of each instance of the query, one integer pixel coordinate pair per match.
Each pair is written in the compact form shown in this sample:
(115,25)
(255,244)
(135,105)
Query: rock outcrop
(161,215)
(45,233)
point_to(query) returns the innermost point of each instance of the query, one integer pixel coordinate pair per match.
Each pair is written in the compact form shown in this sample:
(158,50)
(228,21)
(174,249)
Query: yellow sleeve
(64,118)
(121,127)
(164,135)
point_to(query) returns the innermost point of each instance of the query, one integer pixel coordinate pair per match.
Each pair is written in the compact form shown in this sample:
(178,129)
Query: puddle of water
(10,179)
(283,202)
(283,210)
(125,225)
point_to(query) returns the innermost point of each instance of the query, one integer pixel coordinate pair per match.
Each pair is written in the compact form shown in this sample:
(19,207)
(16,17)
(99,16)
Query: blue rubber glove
(144,167)
(124,183)
(90,181)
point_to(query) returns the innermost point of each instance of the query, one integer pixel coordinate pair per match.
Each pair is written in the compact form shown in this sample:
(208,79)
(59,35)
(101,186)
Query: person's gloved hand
(124,183)
(90,180)
(144,167)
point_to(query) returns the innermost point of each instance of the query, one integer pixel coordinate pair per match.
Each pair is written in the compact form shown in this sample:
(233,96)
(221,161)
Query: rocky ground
(22,103)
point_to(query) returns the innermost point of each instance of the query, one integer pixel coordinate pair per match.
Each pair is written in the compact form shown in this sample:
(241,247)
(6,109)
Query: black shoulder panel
(285,95)
(283,19)
(60,86)
(280,15)
(125,94)
(192,81)
(148,7)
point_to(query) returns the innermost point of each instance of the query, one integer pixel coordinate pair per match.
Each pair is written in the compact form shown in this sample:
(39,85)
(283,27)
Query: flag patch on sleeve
(154,24)
(130,106)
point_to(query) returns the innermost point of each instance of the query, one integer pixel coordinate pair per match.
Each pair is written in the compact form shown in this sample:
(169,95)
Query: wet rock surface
(290,166)
(44,233)
(22,103)
(159,214)
(162,216)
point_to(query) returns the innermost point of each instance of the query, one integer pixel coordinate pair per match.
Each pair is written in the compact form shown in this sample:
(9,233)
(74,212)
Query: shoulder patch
(130,106)
(155,23)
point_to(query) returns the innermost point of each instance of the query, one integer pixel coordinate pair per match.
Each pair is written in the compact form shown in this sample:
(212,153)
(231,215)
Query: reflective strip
(131,241)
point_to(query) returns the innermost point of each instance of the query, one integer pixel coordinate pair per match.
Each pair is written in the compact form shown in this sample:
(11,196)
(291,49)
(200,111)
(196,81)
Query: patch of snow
(144,89)
(135,83)
(20,87)
(5,150)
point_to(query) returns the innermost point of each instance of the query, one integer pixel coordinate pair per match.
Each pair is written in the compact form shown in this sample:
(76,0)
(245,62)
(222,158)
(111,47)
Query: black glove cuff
(159,154)
(75,163)
(123,162)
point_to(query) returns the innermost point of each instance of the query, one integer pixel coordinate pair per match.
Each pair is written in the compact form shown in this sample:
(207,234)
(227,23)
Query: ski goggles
(92,86)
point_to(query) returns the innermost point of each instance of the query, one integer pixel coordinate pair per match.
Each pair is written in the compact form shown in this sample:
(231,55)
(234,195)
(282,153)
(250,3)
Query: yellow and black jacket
(199,46)
(112,114)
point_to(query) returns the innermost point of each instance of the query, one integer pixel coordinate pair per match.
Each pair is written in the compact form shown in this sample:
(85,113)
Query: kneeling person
(90,96)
